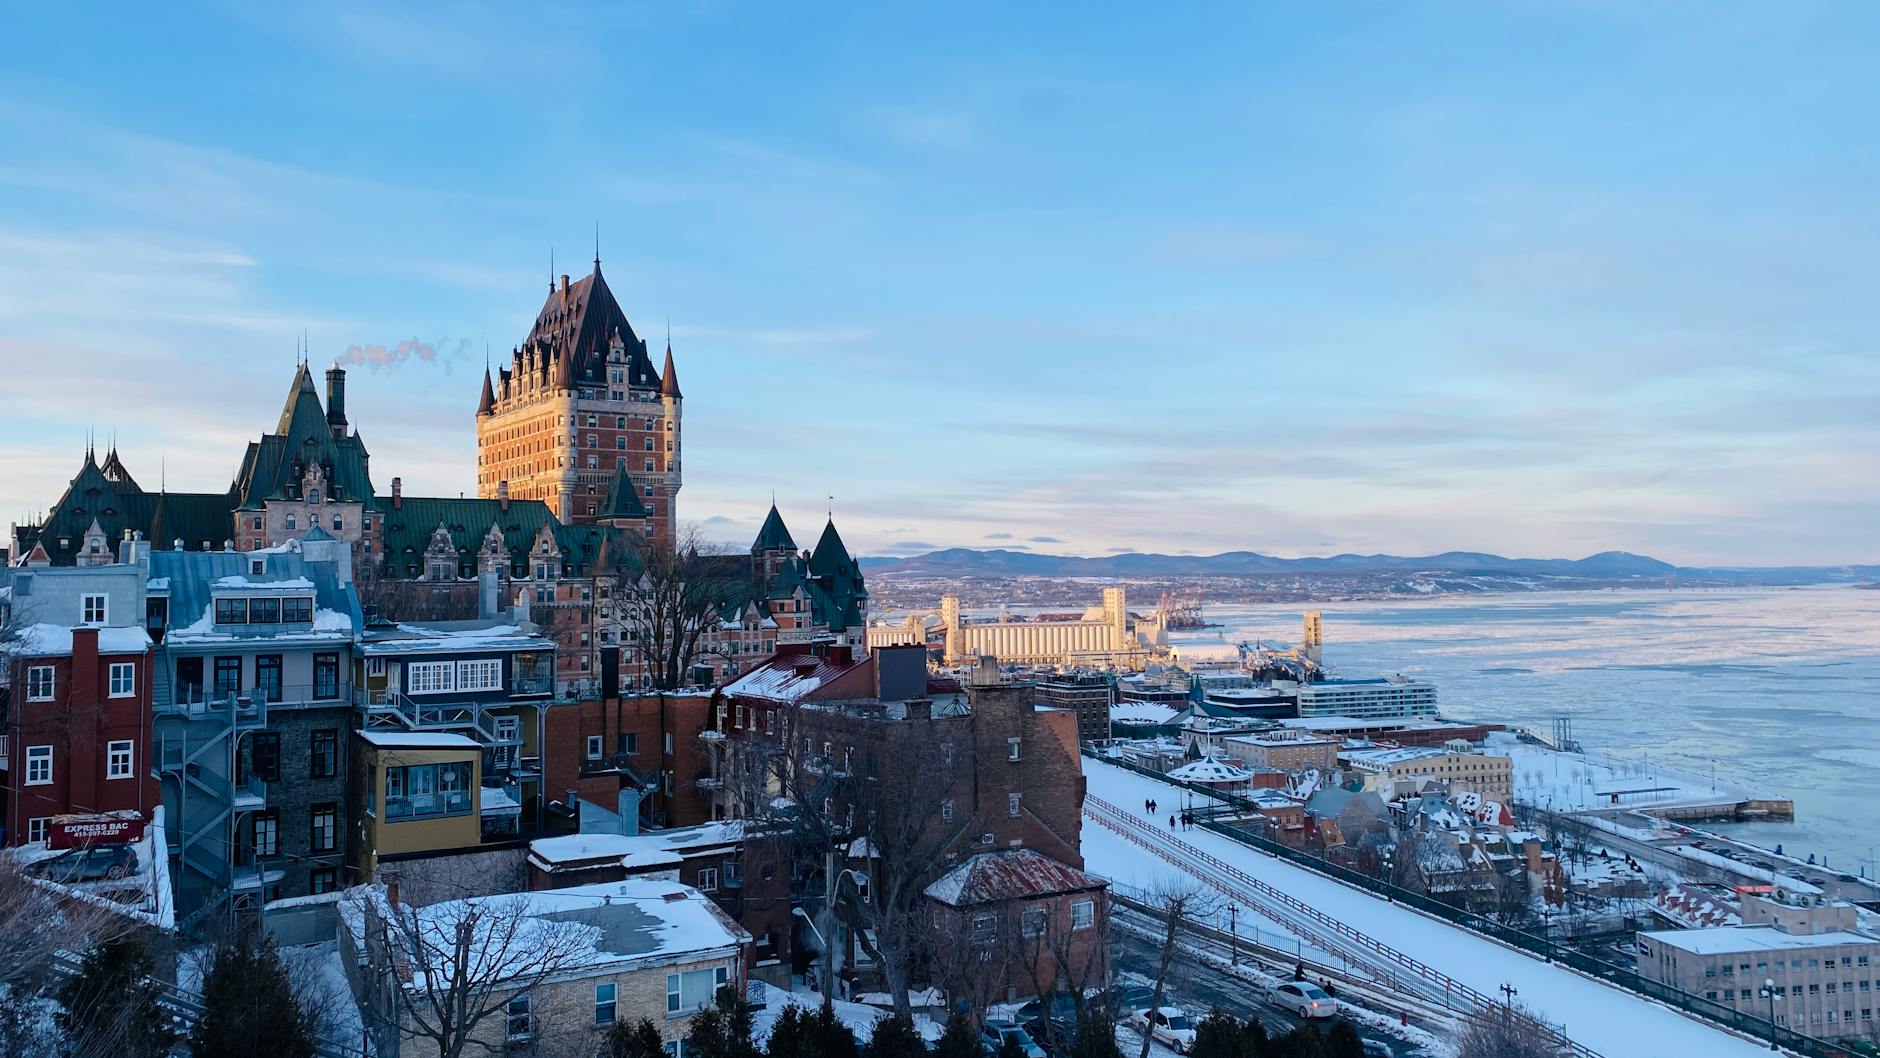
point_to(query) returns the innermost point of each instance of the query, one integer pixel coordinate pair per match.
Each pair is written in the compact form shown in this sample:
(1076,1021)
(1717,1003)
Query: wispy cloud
(384,358)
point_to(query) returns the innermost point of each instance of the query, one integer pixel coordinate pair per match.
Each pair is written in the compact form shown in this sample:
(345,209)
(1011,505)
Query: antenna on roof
(551,268)
(832,508)
(597,244)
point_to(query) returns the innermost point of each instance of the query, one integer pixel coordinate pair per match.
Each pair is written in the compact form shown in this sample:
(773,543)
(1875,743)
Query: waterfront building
(1798,956)
(1392,697)
(1104,635)
(1283,750)
(1392,769)
(1088,694)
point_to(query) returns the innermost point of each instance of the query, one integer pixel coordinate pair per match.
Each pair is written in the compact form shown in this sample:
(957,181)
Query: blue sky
(1536,279)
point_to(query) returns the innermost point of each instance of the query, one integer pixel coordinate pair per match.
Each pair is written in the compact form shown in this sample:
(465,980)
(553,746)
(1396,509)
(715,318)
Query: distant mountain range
(1605,566)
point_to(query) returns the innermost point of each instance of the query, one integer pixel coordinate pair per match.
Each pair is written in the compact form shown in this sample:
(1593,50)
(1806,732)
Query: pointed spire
(487,404)
(669,376)
(597,247)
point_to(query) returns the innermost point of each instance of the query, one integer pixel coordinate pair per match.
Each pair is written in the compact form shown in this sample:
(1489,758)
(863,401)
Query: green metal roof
(774,535)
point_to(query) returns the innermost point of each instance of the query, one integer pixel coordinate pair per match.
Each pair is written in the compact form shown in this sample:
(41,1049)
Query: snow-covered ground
(1615,1023)
(1569,781)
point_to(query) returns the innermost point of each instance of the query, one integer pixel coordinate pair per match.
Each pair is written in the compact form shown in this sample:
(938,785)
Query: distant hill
(1606,567)
(968,562)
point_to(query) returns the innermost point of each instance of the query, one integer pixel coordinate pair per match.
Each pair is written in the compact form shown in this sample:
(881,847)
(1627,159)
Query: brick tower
(579,402)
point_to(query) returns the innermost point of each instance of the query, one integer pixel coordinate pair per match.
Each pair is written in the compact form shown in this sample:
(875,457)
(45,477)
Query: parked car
(88,865)
(1124,999)
(1303,998)
(1169,1026)
(993,1036)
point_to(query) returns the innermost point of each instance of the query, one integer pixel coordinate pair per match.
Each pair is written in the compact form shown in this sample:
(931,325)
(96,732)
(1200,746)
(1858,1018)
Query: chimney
(502,496)
(336,400)
(564,288)
(398,493)
(391,888)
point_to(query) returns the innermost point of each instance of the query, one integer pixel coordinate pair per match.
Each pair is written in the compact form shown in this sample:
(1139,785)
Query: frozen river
(1780,688)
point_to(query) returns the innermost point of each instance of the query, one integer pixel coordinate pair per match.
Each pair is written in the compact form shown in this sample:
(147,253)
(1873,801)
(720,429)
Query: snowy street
(1610,1021)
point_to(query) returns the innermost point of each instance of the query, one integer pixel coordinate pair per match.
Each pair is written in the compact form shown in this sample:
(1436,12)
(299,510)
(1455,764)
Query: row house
(75,694)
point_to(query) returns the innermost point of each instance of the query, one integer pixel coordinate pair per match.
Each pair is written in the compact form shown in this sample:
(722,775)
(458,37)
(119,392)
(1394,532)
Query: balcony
(248,708)
(249,796)
(264,871)
(532,686)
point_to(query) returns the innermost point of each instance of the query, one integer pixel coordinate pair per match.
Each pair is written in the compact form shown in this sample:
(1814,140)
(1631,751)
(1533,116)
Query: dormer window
(256,566)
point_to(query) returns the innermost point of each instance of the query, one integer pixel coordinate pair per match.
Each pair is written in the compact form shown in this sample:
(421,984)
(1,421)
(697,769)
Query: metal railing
(1221,803)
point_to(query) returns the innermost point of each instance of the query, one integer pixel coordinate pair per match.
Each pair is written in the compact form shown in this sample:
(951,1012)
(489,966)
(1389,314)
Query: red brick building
(647,744)
(1014,923)
(77,726)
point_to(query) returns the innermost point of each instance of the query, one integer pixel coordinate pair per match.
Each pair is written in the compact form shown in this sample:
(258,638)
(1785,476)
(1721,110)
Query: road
(1195,987)
(1748,863)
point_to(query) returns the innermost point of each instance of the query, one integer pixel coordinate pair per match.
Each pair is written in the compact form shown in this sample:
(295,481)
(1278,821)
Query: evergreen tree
(110,1005)
(1219,1035)
(1343,1041)
(1302,1042)
(895,1037)
(959,1040)
(633,1041)
(1009,1048)
(1095,1038)
(724,1029)
(246,997)
(836,1039)
(1254,1040)
(794,1035)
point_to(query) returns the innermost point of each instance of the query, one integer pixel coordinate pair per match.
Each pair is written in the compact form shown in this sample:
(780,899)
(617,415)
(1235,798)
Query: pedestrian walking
(1171,822)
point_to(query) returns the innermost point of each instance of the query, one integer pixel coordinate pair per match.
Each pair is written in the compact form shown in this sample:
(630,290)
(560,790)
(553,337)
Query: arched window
(290,523)
(313,496)
(338,523)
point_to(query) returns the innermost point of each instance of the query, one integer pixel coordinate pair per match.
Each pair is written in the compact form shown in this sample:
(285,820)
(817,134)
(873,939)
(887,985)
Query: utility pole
(1233,936)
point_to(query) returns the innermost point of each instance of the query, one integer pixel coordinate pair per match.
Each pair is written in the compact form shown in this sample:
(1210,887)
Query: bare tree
(667,599)
(35,926)
(876,790)
(1178,904)
(1507,1031)
(439,972)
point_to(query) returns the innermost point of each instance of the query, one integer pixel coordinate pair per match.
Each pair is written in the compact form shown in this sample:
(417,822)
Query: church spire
(669,376)
(487,405)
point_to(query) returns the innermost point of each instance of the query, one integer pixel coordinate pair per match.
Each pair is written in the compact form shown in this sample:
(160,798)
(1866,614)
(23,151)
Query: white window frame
(1012,748)
(509,728)
(128,688)
(84,609)
(707,880)
(1083,914)
(120,759)
(36,828)
(35,690)
(431,677)
(37,757)
(483,674)
(1011,805)
(596,747)
(375,666)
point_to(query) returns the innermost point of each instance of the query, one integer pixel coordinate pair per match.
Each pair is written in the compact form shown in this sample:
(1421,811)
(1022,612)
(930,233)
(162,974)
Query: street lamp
(1768,991)
(1233,936)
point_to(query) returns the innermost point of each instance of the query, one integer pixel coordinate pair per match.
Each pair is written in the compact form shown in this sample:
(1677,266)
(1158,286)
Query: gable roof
(272,466)
(1009,874)
(407,528)
(623,498)
(118,505)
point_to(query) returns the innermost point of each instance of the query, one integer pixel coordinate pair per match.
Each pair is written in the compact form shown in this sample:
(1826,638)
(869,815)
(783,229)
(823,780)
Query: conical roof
(831,557)
(774,535)
(669,377)
(487,404)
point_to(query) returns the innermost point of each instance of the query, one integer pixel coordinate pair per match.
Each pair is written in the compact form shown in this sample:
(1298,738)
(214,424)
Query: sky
(1537,279)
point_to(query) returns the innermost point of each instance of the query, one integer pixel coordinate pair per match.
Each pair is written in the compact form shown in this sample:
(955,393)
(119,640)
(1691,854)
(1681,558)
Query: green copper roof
(623,498)
(272,466)
(774,535)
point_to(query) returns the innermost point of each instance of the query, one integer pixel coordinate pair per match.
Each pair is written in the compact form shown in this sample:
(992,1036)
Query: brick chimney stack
(398,493)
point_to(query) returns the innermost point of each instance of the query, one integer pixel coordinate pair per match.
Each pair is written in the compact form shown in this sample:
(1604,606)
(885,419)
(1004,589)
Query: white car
(1304,999)
(1167,1025)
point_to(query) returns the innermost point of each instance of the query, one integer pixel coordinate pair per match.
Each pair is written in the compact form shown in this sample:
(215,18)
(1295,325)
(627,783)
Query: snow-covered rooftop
(418,740)
(1209,769)
(577,848)
(49,640)
(449,636)
(1718,940)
